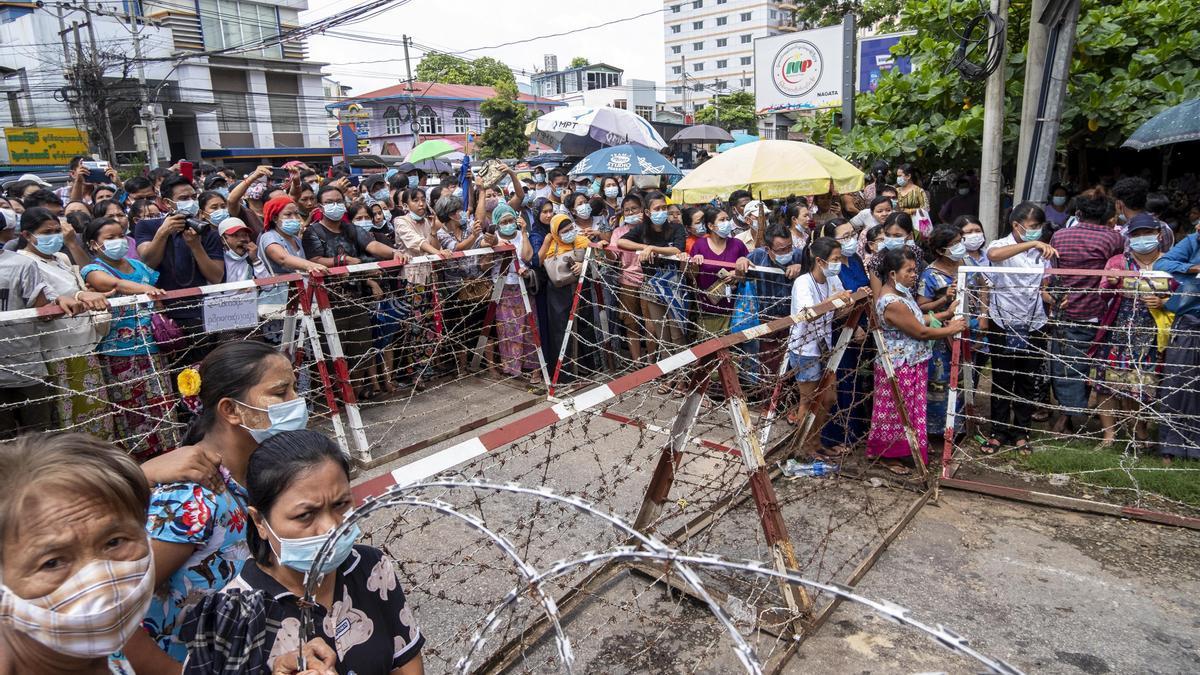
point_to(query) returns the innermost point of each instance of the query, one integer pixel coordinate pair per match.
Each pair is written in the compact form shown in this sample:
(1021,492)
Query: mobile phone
(186,170)
(279,174)
(95,172)
(355,179)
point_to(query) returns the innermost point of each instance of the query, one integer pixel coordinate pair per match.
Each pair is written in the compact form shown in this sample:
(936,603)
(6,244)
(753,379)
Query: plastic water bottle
(794,469)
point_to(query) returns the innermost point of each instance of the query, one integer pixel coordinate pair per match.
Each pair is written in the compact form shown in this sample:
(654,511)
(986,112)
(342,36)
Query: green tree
(505,136)
(449,69)
(821,13)
(1132,60)
(731,111)
(579,62)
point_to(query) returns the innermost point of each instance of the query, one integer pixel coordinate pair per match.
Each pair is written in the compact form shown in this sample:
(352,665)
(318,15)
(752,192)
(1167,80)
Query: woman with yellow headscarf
(565,240)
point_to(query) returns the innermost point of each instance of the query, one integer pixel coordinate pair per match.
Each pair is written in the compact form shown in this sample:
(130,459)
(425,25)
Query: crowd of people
(121,541)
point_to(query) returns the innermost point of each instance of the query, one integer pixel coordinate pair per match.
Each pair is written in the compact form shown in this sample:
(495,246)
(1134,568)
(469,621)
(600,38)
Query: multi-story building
(710,46)
(233,101)
(405,114)
(596,85)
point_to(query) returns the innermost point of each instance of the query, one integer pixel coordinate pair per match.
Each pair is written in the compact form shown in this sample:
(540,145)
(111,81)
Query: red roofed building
(409,113)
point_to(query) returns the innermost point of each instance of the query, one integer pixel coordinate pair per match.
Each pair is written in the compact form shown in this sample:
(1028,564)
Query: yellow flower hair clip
(188,382)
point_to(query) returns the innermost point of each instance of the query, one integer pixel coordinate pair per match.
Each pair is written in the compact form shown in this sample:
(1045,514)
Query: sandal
(897,469)
(838,450)
(1022,446)
(992,446)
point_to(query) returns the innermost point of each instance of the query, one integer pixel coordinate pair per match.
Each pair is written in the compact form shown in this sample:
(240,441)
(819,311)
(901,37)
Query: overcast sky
(636,46)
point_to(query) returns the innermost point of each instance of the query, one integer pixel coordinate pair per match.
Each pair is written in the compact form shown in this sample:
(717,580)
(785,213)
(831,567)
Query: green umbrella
(432,150)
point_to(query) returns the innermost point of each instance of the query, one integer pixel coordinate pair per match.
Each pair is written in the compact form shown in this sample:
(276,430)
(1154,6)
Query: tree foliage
(821,13)
(449,69)
(579,62)
(1132,60)
(731,111)
(505,135)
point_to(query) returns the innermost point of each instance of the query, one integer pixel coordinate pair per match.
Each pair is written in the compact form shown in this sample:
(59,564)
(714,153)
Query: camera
(488,227)
(195,224)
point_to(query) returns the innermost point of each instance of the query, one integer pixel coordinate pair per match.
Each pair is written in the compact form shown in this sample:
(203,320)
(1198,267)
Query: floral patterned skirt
(513,334)
(77,384)
(886,438)
(138,389)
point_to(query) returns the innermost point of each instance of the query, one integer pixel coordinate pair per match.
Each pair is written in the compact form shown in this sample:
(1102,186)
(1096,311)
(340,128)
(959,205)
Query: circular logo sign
(797,68)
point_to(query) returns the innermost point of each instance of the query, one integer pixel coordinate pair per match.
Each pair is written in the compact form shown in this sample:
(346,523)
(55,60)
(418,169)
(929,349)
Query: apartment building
(709,46)
(596,85)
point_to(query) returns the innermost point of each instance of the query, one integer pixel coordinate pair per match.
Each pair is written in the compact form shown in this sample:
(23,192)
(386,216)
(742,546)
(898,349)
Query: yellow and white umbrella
(769,170)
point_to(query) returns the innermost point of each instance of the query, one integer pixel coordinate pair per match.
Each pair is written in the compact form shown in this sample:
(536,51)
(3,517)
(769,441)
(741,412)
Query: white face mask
(973,241)
(95,612)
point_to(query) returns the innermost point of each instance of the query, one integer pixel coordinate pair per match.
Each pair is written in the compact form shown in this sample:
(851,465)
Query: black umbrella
(702,133)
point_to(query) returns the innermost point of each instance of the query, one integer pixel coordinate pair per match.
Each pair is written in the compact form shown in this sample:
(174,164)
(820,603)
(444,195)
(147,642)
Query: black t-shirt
(671,235)
(320,242)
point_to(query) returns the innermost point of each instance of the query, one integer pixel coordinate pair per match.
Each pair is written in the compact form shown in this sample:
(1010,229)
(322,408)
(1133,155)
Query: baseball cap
(215,180)
(230,225)
(35,178)
(1142,221)
(752,207)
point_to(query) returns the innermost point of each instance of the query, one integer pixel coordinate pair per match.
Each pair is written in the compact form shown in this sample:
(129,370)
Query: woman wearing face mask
(93,568)
(280,242)
(248,394)
(212,208)
(68,346)
(464,291)
(979,288)
(906,336)
(1056,210)
(566,238)
(911,195)
(936,293)
(111,209)
(652,237)
(298,493)
(416,235)
(610,190)
(721,246)
(1138,330)
(897,234)
(129,357)
(810,341)
(693,220)
(513,332)
(628,298)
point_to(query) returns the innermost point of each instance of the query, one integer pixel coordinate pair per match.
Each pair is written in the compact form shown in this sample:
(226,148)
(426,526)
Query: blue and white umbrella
(606,126)
(625,160)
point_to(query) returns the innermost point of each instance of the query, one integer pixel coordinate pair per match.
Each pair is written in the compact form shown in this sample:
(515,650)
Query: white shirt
(806,292)
(66,336)
(1017,298)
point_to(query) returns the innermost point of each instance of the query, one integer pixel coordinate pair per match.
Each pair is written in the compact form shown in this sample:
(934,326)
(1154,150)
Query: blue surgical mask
(782,260)
(612,191)
(413,182)
(290,226)
(333,211)
(188,207)
(569,237)
(380,195)
(635,219)
(849,246)
(299,554)
(116,249)
(901,181)
(905,290)
(1059,200)
(458,192)
(286,416)
(1032,235)
(893,243)
(584,211)
(957,251)
(833,269)
(1142,244)
(507,230)
(217,216)
(724,229)
(527,199)
(893,204)
(49,244)
(364,224)
(560,192)
(659,217)
(224,192)
(699,229)
(464,216)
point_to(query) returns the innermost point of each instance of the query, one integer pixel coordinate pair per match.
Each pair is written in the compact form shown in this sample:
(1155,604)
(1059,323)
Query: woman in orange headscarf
(565,239)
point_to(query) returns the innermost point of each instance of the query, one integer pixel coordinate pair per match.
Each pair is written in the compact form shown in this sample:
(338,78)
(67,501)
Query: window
(721,84)
(678,90)
(391,122)
(697,25)
(746,39)
(619,103)
(697,4)
(721,42)
(570,83)
(697,67)
(487,124)
(230,23)
(697,87)
(746,82)
(722,63)
(674,9)
(720,2)
(462,121)
(646,112)
(746,16)
(746,60)
(697,46)
(232,112)
(602,80)
(675,49)
(676,28)
(722,20)
(429,122)
(676,69)
(774,15)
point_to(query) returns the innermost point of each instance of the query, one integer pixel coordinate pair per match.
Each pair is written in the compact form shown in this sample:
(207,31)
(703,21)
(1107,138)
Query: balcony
(788,5)
(786,24)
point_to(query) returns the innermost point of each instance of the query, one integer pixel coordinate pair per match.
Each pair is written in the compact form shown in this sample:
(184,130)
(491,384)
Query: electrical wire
(993,28)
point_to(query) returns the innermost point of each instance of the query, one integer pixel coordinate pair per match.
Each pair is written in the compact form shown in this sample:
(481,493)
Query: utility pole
(99,74)
(683,70)
(413,125)
(991,180)
(146,113)
(1035,62)
(717,99)
(849,44)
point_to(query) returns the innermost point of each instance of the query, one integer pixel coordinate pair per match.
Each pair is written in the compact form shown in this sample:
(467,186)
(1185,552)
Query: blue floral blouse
(187,513)
(129,333)
(903,350)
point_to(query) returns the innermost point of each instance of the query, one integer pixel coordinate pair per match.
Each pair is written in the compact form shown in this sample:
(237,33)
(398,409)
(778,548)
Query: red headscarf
(272,209)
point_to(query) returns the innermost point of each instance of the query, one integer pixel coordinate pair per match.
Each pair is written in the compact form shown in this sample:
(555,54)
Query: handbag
(923,222)
(719,290)
(558,268)
(166,332)
(474,291)
(491,174)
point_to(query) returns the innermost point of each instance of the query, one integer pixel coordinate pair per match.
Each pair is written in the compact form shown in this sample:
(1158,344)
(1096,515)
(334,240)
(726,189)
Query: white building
(597,85)
(242,106)
(710,46)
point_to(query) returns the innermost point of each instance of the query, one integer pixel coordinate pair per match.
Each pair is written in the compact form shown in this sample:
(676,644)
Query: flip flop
(992,446)
(897,469)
